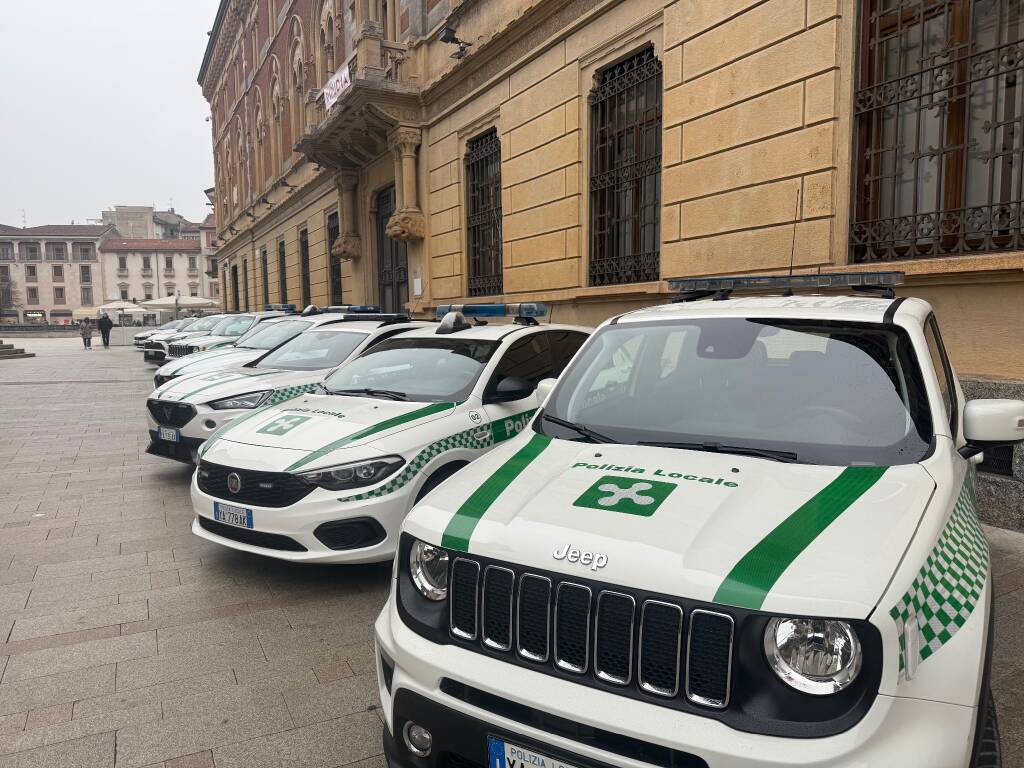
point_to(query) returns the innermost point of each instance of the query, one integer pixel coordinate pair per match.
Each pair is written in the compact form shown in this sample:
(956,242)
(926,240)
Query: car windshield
(811,392)
(270,335)
(203,324)
(314,351)
(419,369)
(170,326)
(235,325)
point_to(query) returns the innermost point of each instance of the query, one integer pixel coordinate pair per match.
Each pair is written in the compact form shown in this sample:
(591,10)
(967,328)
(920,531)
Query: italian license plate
(502,754)
(232,515)
(168,434)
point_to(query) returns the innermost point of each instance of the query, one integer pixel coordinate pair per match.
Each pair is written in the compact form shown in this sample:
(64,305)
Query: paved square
(126,641)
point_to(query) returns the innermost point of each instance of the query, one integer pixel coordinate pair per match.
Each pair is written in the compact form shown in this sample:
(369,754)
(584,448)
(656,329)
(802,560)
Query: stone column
(407,223)
(348,245)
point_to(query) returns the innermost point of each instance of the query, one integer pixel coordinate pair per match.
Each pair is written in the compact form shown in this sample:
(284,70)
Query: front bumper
(204,423)
(185,451)
(154,355)
(585,727)
(299,521)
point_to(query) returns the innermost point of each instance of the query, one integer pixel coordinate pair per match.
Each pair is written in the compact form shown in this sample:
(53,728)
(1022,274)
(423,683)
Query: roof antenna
(792,242)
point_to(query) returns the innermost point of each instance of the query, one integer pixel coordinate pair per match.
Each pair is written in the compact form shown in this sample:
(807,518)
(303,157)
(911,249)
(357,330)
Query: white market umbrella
(132,310)
(118,306)
(180,302)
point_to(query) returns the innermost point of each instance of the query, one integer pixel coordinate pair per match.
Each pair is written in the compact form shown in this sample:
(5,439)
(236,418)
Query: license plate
(501,754)
(232,515)
(168,434)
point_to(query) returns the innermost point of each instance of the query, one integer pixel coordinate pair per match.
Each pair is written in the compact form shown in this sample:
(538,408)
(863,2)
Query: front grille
(248,536)
(177,350)
(171,414)
(609,638)
(264,489)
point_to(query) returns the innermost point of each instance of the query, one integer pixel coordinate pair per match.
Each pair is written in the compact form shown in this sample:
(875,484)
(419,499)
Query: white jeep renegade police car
(738,533)
(139,339)
(328,476)
(155,347)
(224,334)
(185,411)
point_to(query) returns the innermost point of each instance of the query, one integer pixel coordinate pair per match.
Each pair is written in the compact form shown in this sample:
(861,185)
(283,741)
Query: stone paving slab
(125,642)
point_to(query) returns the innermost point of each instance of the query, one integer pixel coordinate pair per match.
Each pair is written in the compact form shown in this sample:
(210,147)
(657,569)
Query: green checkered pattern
(948,586)
(466,439)
(287,393)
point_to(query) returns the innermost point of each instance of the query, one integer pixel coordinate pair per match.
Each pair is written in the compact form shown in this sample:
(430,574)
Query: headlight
(428,566)
(815,656)
(248,400)
(191,350)
(354,474)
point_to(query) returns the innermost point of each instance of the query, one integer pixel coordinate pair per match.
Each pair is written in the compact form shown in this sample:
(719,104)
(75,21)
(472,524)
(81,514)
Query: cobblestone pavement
(125,640)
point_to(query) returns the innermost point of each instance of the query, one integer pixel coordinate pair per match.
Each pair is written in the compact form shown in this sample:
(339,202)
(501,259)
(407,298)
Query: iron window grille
(333,230)
(483,220)
(938,108)
(304,266)
(282,273)
(625,171)
(265,277)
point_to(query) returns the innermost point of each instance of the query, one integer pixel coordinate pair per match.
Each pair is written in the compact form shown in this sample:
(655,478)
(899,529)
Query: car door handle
(483,434)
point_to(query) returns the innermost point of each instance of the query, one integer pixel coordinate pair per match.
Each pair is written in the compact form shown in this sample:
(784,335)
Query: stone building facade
(143,269)
(581,152)
(50,274)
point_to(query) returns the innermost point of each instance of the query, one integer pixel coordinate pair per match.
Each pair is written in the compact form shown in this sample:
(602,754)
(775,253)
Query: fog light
(417,739)
(210,424)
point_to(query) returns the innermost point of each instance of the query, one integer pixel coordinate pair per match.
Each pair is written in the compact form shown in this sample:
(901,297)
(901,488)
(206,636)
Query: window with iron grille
(625,171)
(939,107)
(483,214)
(333,231)
(264,276)
(304,266)
(282,274)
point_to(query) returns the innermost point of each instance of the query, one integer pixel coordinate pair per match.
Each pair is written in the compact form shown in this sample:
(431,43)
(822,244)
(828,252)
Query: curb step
(19,354)
(6,346)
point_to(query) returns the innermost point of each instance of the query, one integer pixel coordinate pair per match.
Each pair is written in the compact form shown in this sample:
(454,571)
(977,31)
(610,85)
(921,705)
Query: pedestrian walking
(85,331)
(105,324)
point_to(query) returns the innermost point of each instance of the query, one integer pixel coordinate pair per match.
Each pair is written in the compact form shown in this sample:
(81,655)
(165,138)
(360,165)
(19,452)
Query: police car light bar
(352,308)
(787,282)
(287,308)
(530,309)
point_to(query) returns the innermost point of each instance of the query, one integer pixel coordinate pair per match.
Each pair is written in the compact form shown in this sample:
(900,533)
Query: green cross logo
(626,495)
(282,425)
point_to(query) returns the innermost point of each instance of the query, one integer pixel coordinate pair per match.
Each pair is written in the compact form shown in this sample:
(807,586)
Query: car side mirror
(988,423)
(512,388)
(544,388)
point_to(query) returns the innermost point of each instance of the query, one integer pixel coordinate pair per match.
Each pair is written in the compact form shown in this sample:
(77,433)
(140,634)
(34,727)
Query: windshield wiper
(579,429)
(388,394)
(739,450)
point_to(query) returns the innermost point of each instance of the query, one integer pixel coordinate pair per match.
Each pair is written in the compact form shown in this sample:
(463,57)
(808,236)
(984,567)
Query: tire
(987,754)
(439,477)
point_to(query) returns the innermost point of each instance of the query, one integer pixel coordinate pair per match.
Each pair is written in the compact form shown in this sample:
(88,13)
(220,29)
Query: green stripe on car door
(750,580)
(461,527)
(404,418)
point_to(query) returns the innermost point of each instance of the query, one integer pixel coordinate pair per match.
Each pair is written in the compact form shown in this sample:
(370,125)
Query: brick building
(51,273)
(580,152)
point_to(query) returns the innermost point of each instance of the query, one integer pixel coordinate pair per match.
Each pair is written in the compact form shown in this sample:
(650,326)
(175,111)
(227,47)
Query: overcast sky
(100,106)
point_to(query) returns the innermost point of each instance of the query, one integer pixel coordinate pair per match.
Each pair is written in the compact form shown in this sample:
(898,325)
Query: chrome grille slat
(463,601)
(534,609)
(572,627)
(661,642)
(496,607)
(709,658)
(613,637)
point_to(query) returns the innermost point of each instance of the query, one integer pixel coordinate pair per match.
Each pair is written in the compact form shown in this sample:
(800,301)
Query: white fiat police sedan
(328,476)
(185,411)
(738,533)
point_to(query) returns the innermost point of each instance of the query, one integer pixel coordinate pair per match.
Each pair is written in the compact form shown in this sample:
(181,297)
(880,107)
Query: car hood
(213,359)
(203,387)
(209,342)
(144,335)
(750,532)
(318,430)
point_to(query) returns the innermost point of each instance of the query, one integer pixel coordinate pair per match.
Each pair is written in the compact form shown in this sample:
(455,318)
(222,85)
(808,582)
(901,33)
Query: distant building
(145,222)
(50,273)
(139,269)
(208,243)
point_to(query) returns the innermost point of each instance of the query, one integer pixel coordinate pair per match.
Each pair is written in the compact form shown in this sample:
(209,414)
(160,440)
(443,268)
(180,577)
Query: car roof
(862,309)
(489,332)
(335,324)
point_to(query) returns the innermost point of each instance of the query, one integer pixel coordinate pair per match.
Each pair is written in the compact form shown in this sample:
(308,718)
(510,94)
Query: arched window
(325,50)
(276,109)
(297,97)
(259,132)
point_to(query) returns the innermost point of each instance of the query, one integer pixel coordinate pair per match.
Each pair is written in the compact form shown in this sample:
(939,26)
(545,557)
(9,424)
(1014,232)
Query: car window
(386,335)
(528,358)
(564,344)
(270,335)
(831,393)
(943,371)
(233,326)
(421,369)
(313,351)
(204,323)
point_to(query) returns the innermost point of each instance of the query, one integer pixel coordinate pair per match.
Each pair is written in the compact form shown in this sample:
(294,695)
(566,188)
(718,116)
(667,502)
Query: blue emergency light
(286,308)
(786,282)
(530,309)
(352,308)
